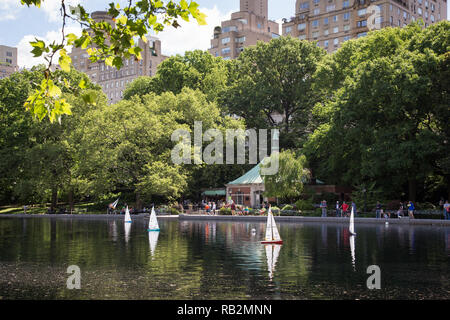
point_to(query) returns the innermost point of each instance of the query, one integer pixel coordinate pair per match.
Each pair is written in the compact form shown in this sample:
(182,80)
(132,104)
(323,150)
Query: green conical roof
(251,177)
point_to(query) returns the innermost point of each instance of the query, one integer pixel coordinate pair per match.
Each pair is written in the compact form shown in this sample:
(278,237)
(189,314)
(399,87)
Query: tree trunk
(138,201)
(71,202)
(412,186)
(54,198)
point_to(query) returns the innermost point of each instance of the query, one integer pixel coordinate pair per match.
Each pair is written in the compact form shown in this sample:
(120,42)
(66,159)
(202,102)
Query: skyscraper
(114,81)
(331,22)
(246,28)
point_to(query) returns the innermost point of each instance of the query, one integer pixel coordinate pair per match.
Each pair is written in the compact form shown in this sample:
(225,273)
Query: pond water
(219,260)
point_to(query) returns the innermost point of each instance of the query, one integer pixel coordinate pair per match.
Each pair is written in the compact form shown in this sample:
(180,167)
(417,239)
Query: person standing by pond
(411,209)
(447,210)
(344,209)
(323,205)
(378,209)
(233,208)
(338,209)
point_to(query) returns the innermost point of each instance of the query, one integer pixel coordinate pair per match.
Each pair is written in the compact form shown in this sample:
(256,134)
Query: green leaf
(64,61)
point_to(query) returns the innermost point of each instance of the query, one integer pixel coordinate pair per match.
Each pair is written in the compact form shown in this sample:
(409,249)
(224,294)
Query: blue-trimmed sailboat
(127,216)
(153,222)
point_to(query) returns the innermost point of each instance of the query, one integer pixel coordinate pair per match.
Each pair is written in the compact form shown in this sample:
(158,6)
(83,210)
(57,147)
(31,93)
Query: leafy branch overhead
(102,41)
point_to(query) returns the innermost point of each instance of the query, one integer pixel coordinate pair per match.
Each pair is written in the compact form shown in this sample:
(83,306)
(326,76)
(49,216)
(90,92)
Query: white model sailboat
(153,222)
(127,216)
(153,240)
(272,234)
(351,227)
(272,253)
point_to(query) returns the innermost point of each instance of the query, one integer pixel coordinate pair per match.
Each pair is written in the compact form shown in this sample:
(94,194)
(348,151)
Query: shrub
(225,211)
(275,210)
(287,207)
(174,211)
(304,205)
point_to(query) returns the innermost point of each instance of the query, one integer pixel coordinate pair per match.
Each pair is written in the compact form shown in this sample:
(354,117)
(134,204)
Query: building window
(9,54)
(226,50)
(362,34)
(229,29)
(346,27)
(335,29)
(304,5)
(346,16)
(244,21)
(331,7)
(315,23)
(301,26)
(225,40)
(316,1)
(362,12)
(325,44)
(419,11)
(288,30)
(241,39)
(259,26)
(345,4)
(316,11)
(9,61)
(335,18)
(325,21)
(315,34)
(336,41)
(346,38)
(302,37)
(362,23)
(325,32)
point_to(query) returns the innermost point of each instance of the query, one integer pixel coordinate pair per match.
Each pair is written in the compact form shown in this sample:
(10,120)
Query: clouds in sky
(190,35)
(9,9)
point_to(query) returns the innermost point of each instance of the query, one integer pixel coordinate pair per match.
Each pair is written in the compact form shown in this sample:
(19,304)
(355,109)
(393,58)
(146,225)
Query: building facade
(114,81)
(246,28)
(8,61)
(331,22)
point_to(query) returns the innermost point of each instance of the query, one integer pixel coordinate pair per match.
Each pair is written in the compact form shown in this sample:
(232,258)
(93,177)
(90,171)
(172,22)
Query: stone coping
(392,221)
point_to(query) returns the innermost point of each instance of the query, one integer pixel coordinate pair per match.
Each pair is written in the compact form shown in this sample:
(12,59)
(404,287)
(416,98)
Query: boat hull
(128,221)
(150,230)
(272,242)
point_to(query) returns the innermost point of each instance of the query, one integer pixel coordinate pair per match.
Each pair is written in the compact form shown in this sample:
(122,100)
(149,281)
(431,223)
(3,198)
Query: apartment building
(114,81)
(8,61)
(246,28)
(331,22)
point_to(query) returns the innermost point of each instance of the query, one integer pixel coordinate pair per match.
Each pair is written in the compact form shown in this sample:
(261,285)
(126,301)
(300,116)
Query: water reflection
(352,250)
(153,240)
(272,253)
(219,260)
(127,231)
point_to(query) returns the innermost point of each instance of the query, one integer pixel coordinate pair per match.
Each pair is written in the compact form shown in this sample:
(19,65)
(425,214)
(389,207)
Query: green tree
(275,77)
(102,42)
(195,69)
(292,174)
(383,119)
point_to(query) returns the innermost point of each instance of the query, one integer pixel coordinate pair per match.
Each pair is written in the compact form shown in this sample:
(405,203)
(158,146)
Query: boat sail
(127,216)
(153,222)
(352,223)
(272,235)
(272,253)
(153,240)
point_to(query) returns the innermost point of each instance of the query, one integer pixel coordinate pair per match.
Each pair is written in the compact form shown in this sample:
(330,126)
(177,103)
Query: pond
(219,260)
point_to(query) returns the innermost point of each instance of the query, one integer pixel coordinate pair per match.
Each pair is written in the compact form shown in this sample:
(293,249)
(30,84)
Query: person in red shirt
(344,208)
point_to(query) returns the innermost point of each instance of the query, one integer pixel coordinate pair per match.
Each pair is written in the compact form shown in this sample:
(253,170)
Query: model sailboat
(351,228)
(153,222)
(127,216)
(127,232)
(272,235)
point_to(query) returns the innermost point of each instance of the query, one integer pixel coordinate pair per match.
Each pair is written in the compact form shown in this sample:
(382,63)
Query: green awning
(214,193)
(251,177)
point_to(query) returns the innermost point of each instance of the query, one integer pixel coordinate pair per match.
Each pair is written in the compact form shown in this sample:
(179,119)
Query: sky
(21,24)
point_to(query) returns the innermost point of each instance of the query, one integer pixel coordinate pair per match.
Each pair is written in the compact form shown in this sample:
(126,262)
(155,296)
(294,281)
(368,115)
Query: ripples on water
(209,260)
